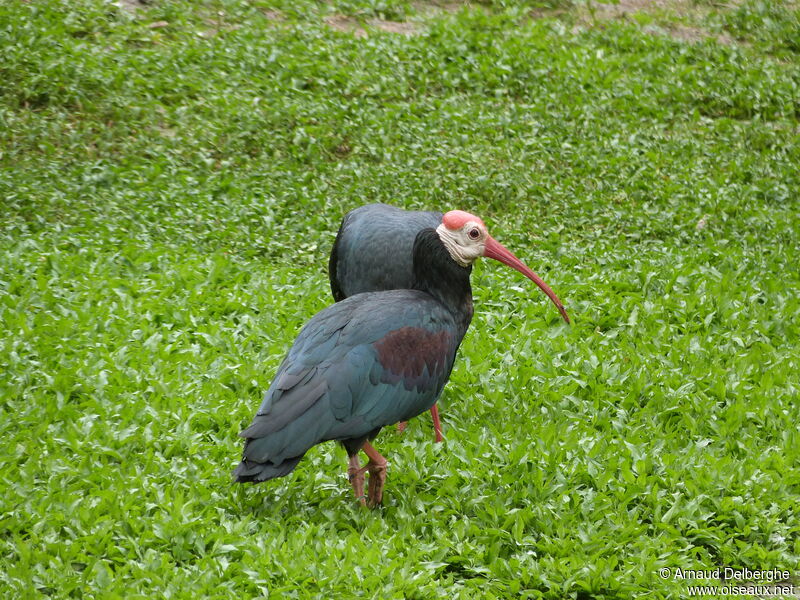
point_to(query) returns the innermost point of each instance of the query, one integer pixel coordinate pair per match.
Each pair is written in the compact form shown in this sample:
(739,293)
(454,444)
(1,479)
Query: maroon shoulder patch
(405,353)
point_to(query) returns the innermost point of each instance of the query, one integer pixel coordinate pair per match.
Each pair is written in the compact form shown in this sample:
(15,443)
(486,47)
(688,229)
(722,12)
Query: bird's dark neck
(437,274)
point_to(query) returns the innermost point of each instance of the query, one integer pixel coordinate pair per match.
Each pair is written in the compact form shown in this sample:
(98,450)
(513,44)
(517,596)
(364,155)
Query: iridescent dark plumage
(373,249)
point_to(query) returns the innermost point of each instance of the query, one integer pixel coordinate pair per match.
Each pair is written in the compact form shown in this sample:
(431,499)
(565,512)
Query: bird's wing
(359,365)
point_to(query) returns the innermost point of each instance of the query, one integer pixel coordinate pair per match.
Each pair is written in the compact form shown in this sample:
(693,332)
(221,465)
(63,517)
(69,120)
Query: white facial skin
(465,244)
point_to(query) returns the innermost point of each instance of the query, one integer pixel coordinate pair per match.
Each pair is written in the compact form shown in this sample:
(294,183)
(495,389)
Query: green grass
(168,197)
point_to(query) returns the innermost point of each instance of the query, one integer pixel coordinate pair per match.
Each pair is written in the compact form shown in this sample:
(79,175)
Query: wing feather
(337,383)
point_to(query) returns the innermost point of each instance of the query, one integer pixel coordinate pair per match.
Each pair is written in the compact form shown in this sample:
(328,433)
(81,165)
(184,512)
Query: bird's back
(373,249)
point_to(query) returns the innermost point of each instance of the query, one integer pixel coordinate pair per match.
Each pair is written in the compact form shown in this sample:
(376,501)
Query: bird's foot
(377,477)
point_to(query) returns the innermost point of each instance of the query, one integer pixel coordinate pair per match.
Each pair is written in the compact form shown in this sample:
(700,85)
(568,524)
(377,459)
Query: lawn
(172,176)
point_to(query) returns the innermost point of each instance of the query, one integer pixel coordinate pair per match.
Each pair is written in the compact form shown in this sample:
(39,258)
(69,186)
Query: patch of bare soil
(130,5)
(632,6)
(596,12)
(273,15)
(403,27)
(433,7)
(350,25)
(423,8)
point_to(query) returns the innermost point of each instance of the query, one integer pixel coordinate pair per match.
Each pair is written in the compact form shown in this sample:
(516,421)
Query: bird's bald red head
(465,246)
(456,219)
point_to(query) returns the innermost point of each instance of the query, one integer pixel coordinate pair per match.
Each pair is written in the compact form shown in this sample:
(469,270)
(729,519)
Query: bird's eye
(474,233)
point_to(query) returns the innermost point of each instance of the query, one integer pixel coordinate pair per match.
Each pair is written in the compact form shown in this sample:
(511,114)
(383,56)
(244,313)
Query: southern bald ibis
(374,359)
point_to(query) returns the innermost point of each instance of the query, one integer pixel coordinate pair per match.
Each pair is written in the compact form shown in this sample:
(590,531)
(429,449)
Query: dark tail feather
(255,472)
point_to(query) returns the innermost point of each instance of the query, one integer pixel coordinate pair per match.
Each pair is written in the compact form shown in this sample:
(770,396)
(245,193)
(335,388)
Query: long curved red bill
(497,251)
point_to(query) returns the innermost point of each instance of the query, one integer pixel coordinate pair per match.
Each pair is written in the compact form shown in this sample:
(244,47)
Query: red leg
(437,426)
(377,474)
(356,474)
